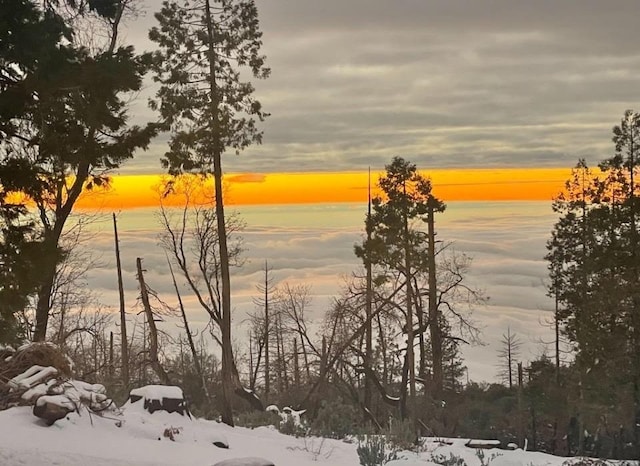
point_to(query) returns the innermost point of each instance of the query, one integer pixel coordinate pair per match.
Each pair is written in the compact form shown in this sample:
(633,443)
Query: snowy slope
(135,437)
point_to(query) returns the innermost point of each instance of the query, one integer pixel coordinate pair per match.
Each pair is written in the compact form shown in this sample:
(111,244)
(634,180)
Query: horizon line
(282,188)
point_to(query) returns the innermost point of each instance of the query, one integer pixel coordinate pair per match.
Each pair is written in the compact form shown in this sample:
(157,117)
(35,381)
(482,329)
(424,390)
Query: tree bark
(267,333)
(153,331)
(230,377)
(368,338)
(434,314)
(187,329)
(124,348)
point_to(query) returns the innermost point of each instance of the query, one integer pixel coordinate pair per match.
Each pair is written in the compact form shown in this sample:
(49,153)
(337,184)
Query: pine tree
(593,257)
(63,121)
(209,110)
(398,247)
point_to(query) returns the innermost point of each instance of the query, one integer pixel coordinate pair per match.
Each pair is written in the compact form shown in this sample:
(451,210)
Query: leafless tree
(191,238)
(261,329)
(508,355)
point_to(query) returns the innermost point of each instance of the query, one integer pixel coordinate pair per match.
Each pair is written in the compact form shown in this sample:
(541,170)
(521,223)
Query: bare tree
(508,355)
(293,302)
(191,238)
(124,345)
(262,328)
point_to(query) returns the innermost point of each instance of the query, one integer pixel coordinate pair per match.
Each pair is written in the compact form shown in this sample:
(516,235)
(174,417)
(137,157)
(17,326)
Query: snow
(288,414)
(273,409)
(132,436)
(32,376)
(248,461)
(158,392)
(67,394)
(135,437)
(59,400)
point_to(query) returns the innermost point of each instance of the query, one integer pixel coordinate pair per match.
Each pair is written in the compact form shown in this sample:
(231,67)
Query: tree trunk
(153,331)
(267,368)
(124,348)
(230,377)
(44,292)
(110,356)
(434,314)
(187,329)
(410,358)
(296,368)
(368,334)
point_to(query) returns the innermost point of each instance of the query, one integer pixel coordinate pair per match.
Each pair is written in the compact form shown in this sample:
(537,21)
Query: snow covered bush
(452,460)
(290,426)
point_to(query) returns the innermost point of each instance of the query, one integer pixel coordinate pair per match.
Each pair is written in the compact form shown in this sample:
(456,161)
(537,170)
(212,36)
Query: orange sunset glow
(489,184)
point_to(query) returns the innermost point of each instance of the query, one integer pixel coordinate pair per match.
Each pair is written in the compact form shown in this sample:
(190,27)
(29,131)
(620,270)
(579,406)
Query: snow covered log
(33,376)
(483,444)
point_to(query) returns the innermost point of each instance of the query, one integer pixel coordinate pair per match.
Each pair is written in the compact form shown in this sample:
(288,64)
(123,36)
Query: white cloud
(506,241)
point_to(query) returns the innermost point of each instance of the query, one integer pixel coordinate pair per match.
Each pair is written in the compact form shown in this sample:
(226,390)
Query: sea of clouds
(313,244)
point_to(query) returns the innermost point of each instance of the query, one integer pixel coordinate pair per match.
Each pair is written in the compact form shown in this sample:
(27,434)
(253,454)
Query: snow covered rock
(248,461)
(52,408)
(167,398)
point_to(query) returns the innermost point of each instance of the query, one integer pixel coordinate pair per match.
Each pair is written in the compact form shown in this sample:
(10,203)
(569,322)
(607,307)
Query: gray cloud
(443,83)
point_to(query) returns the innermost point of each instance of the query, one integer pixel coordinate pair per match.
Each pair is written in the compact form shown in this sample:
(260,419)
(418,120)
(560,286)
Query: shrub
(375,450)
(336,419)
(403,435)
(453,460)
(289,426)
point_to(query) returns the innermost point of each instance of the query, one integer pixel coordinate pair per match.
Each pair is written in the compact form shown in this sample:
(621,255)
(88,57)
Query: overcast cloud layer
(443,83)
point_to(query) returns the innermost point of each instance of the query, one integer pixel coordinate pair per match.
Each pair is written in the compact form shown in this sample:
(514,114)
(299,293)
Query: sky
(487,184)
(443,83)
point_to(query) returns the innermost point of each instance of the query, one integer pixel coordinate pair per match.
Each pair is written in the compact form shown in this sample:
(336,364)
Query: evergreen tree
(208,108)
(593,256)
(399,247)
(63,123)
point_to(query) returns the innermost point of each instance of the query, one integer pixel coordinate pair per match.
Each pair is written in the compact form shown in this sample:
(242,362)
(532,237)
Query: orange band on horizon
(491,184)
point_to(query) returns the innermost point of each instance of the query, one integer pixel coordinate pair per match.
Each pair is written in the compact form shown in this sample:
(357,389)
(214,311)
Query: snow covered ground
(136,437)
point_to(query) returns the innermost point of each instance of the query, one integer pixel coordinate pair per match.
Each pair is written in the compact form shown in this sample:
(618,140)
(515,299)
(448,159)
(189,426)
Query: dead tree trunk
(153,331)
(296,365)
(267,334)
(187,329)
(124,348)
(434,314)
